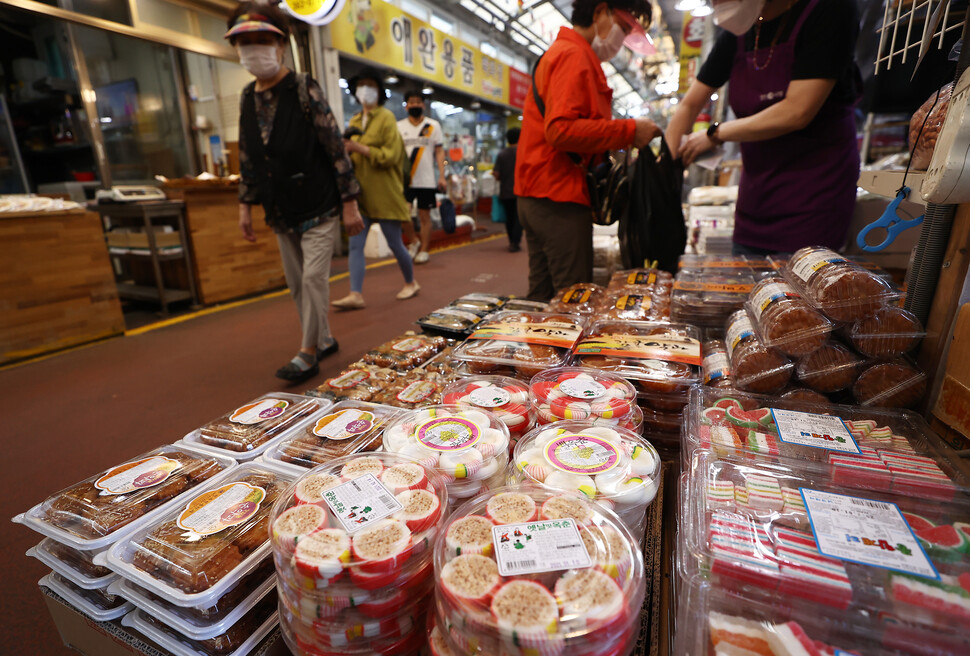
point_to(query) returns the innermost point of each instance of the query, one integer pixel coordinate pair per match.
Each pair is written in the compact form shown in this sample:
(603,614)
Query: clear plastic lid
(718,263)
(248,430)
(528,569)
(831,368)
(629,305)
(784,320)
(581,393)
(842,289)
(758,368)
(665,423)
(887,333)
(707,297)
(796,393)
(406,352)
(480,303)
(418,389)
(394,636)
(506,398)
(641,280)
(90,514)
(583,298)
(99,605)
(72,564)
(346,428)
(358,383)
(525,305)
(895,384)
(657,357)
(521,342)
(865,448)
(716,365)
(449,321)
(193,555)
(796,536)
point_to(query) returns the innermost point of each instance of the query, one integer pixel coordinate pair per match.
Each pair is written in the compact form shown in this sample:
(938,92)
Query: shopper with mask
(556,145)
(293,163)
(423,143)
(504,174)
(377,152)
(793,86)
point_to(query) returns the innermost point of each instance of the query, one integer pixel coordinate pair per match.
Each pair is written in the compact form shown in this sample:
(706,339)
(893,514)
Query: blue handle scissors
(891,221)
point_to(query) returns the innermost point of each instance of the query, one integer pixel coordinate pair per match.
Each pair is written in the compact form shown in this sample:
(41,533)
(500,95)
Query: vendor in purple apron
(793,86)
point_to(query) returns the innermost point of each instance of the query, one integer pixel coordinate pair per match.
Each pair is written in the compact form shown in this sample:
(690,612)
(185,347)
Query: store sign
(314,12)
(691,42)
(383,33)
(519,85)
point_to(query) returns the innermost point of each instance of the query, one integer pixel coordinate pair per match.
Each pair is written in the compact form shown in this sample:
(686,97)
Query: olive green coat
(381,173)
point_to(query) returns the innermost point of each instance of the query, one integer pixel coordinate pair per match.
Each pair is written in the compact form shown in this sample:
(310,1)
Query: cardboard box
(953,403)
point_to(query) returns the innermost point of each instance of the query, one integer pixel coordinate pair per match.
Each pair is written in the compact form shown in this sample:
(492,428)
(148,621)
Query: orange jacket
(578,120)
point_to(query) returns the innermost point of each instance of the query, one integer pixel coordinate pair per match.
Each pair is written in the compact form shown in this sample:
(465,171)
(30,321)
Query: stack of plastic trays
(578,393)
(614,467)
(526,571)
(505,397)
(201,574)
(468,448)
(82,521)
(352,542)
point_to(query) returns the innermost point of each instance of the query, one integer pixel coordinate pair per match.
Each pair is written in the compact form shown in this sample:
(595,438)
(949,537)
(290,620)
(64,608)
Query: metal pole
(89,100)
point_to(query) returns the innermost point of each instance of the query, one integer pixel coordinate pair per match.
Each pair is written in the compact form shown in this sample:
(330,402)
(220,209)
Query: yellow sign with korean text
(691,42)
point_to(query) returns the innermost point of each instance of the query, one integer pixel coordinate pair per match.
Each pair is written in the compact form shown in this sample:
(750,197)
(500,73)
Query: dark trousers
(512,226)
(560,241)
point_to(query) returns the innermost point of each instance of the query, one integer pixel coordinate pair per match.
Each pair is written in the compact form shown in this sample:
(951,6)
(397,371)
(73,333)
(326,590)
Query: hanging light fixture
(703,10)
(391,78)
(427,90)
(688,5)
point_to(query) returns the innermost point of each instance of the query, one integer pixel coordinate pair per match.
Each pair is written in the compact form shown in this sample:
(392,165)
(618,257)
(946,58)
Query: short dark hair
(274,16)
(368,73)
(414,93)
(513,136)
(583,10)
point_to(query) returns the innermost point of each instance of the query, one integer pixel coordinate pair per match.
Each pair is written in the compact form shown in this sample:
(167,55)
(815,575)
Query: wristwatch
(712,133)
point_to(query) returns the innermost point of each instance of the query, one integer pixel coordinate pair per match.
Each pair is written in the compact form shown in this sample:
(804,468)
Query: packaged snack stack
(352,542)
(639,295)
(507,398)
(599,397)
(756,367)
(360,382)
(527,571)
(785,320)
(716,366)
(614,467)
(708,288)
(406,352)
(586,299)
(467,447)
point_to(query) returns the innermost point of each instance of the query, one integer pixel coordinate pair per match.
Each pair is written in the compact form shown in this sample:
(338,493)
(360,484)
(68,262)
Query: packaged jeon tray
(99,605)
(348,427)
(876,554)
(405,352)
(869,449)
(582,393)
(468,448)
(585,298)
(756,367)
(449,322)
(521,342)
(895,384)
(706,298)
(352,542)
(248,430)
(887,333)
(784,320)
(641,280)
(361,382)
(843,290)
(528,571)
(194,554)
(614,467)
(627,305)
(506,398)
(480,304)
(420,388)
(89,514)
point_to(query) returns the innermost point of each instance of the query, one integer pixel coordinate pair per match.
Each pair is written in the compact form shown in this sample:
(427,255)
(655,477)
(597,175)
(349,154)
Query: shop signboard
(519,84)
(691,42)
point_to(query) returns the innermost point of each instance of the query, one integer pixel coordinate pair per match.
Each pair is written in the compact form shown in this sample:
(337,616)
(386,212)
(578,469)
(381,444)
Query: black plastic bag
(653,226)
(446,209)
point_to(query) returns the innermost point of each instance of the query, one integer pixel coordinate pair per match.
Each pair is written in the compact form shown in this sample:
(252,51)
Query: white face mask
(261,61)
(608,48)
(737,16)
(367,96)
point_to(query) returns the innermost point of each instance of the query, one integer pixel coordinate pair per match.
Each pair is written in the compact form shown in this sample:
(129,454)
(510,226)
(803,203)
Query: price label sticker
(819,431)
(534,547)
(360,502)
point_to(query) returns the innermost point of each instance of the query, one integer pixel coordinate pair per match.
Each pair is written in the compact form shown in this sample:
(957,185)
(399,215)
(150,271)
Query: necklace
(774,41)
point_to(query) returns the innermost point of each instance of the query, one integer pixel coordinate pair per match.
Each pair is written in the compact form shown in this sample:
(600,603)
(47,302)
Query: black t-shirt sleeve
(716,71)
(826,45)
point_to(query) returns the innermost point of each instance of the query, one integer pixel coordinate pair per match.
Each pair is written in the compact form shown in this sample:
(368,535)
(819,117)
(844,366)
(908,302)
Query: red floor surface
(70,416)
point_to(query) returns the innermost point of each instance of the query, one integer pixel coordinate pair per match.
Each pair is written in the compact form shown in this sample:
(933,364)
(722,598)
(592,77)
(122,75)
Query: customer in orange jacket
(554,206)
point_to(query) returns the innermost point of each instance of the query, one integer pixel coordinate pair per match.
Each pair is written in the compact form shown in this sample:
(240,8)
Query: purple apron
(798,189)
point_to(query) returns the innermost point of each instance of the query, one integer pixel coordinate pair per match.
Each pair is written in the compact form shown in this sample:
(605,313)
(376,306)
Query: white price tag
(361,502)
(534,547)
(819,431)
(865,531)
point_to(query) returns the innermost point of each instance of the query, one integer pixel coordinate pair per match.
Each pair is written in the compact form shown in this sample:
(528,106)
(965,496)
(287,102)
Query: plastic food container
(614,467)
(96,512)
(784,320)
(524,570)
(506,398)
(525,305)
(583,298)
(192,556)
(864,448)
(449,322)
(250,429)
(843,290)
(581,393)
(480,303)
(99,605)
(418,389)
(831,368)
(641,280)
(716,263)
(887,333)
(707,297)
(803,394)
(629,305)
(468,448)
(76,566)
(895,384)
(756,367)
(346,428)
(359,383)
(716,366)
(521,342)
(406,352)
(352,545)
(777,531)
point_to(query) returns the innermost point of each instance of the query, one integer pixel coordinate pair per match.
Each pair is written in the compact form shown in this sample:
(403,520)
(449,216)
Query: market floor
(69,416)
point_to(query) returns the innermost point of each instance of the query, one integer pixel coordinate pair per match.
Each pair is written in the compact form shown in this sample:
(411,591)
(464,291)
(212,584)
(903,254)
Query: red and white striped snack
(323,554)
(322,608)
(526,614)
(310,488)
(439,644)
(511,508)
(568,408)
(294,524)
(375,581)
(422,509)
(590,598)
(389,602)
(567,506)
(609,550)
(470,535)
(382,547)
(470,580)
(404,476)
(460,465)
(342,635)
(790,638)
(612,408)
(360,466)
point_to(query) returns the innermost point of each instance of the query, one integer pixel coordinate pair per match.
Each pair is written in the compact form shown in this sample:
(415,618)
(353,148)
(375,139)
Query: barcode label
(875,505)
(521,564)
(360,502)
(534,547)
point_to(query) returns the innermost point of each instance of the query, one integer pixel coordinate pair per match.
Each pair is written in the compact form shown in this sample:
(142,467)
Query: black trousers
(512,226)
(560,240)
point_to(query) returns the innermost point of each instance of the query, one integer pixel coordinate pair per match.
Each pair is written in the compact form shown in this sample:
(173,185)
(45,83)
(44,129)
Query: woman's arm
(697,96)
(329,136)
